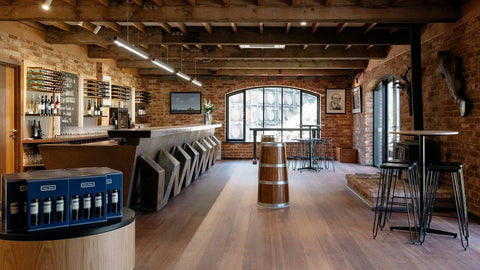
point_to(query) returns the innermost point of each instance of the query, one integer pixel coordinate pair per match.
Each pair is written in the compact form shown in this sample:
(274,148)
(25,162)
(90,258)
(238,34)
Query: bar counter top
(67,138)
(151,132)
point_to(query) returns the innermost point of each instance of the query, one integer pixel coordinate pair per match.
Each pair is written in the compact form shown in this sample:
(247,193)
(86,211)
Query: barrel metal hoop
(281,165)
(274,205)
(272,144)
(272,182)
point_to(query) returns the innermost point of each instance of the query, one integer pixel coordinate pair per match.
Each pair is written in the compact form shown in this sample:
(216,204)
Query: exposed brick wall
(336,126)
(463,40)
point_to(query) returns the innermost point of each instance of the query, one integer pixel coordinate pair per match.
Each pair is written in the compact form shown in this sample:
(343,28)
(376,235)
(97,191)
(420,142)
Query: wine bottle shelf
(45,115)
(95,116)
(44,80)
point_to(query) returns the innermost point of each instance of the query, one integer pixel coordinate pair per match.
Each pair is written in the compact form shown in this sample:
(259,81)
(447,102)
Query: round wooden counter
(108,245)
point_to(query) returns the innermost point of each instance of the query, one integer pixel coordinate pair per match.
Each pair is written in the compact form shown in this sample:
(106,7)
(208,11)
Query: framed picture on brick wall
(335,101)
(357,100)
(185,102)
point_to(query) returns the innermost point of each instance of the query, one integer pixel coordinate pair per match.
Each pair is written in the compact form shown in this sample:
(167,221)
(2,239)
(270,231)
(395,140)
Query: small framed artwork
(185,102)
(335,101)
(357,99)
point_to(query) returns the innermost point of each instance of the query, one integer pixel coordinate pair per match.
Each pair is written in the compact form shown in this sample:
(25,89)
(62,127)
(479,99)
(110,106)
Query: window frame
(244,94)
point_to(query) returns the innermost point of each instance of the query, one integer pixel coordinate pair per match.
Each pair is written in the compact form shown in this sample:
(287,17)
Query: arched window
(270,107)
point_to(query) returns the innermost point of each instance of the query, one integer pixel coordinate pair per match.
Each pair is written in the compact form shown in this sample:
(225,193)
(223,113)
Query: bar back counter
(154,161)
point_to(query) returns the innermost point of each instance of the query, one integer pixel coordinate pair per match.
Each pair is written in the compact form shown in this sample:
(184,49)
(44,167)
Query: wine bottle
(52,107)
(115,203)
(47,211)
(60,209)
(75,207)
(47,105)
(14,214)
(98,205)
(89,108)
(42,106)
(34,129)
(38,110)
(107,201)
(57,104)
(39,130)
(87,206)
(34,220)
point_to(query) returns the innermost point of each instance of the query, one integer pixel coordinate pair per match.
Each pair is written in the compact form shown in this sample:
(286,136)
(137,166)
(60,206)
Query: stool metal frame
(456,174)
(390,172)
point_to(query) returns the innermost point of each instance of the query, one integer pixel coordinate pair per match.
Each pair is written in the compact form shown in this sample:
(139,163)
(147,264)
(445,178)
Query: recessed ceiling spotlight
(47,4)
(303,23)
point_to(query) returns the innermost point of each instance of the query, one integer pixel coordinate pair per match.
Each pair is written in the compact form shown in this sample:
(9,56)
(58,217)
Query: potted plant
(208,109)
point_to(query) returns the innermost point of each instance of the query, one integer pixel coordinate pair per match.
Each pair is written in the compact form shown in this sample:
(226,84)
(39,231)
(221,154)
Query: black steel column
(416,61)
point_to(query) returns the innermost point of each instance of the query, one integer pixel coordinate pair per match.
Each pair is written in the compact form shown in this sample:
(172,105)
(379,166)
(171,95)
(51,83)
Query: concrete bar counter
(129,153)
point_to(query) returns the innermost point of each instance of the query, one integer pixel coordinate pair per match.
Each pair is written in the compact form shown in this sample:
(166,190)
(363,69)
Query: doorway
(10,140)
(386,118)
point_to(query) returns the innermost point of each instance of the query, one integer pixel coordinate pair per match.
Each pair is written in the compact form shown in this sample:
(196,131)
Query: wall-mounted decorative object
(357,100)
(451,69)
(406,85)
(335,101)
(185,102)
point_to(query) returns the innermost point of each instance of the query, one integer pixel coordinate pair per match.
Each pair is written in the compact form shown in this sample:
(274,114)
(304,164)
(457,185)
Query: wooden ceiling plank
(60,25)
(71,2)
(341,27)
(368,26)
(208,27)
(113,26)
(255,64)
(423,13)
(324,36)
(166,27)
(182,27)
(139,26)
(88,26)
(233,52)
(102,46)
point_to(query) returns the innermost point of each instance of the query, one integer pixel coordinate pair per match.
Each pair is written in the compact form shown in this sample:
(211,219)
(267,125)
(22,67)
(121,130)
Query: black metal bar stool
(456,173)
(390,172)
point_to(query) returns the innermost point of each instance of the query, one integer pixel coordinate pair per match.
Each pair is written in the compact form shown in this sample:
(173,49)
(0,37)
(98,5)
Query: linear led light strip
(163,65)
(122,43)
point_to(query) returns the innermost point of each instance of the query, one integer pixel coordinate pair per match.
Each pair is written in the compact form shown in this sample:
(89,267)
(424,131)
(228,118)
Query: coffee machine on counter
(121,116)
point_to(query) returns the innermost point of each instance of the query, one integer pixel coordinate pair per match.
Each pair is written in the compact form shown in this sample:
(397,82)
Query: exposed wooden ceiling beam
(182,27)
(231,52)
(191,2)
(234,27)
(315,27)
(60,25)
(158,2)
(139,26)
(341,27)
(368,26)
(251,72)
(287,27)
(5,2)
(255,64)
(87,25)
(166,27)
(260,27)
(102,46)
(93,12)
(113,26)
(35,25)
(208,27)
(324,36)
(105,3)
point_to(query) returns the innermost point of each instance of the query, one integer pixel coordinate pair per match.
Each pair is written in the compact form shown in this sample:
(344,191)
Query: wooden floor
(216,224)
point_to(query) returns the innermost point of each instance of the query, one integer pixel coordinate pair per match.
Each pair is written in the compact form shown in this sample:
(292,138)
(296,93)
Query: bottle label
(98,201)
(87,202)
(75,204)
(60,206)
(34,208)
(13,208)
(114,197)
(47,207)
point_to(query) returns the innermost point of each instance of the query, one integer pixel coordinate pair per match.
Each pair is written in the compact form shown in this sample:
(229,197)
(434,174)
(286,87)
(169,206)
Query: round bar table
(421,163)
(109,245)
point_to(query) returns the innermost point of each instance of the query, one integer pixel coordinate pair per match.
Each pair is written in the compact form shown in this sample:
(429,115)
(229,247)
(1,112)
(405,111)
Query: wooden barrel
(268,138)
(272,176)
